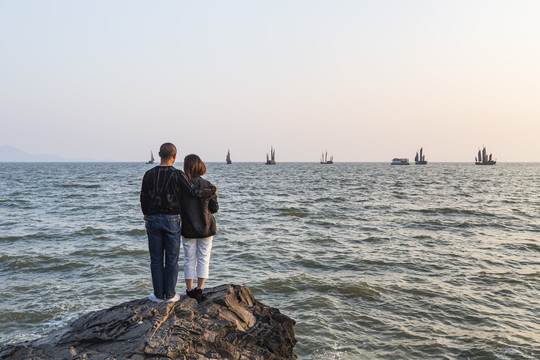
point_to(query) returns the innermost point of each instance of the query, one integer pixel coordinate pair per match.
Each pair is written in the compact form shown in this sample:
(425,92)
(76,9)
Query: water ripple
(372,261)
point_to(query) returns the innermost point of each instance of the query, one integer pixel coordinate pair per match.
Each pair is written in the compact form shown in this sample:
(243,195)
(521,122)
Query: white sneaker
(154,298)
(174,299)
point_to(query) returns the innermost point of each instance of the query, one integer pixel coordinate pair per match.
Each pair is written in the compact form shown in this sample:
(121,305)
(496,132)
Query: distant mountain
(12,154)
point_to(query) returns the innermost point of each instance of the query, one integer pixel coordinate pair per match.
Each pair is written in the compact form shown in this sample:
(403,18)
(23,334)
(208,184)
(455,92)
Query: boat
(272,159)
(325,160)
(152,160)
(420,158)
(228,159)
(400,161)
(483,158)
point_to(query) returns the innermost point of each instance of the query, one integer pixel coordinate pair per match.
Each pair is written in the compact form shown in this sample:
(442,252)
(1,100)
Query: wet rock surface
(230,324)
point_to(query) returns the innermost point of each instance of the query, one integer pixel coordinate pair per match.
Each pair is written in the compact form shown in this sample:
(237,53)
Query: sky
(364,80)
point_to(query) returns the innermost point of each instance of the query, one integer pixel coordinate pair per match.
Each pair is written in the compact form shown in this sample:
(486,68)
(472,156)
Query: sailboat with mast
(272,159)
(152,160)
(420,158)
(228,158)
(325,160)
(483,158)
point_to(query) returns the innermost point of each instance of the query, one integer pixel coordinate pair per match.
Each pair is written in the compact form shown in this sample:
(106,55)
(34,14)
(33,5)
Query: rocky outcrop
(230,324)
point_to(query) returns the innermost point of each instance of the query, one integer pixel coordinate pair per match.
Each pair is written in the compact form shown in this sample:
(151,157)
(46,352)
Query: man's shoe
(154,298)
(175,298)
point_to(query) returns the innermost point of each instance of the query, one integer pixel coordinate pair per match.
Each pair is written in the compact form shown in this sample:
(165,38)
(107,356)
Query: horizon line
(246,162)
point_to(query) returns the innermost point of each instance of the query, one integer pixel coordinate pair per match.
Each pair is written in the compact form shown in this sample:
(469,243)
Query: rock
(230,324)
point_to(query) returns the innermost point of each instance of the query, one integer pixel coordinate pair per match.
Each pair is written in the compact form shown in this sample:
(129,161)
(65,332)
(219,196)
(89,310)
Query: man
(161,191)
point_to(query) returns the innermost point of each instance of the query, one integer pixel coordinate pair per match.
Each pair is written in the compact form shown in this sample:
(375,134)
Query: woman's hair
(193,166)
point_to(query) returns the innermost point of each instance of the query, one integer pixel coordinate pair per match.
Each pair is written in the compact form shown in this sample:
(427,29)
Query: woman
(198,228)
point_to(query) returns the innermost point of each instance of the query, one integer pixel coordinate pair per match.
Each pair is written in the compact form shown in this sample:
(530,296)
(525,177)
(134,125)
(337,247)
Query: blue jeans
(164,244)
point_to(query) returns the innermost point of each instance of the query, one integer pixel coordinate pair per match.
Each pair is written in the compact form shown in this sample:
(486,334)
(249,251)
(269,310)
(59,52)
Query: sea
(372,261)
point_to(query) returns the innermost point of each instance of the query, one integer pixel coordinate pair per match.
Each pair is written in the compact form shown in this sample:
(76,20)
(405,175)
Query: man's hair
(167,151)
(193,166)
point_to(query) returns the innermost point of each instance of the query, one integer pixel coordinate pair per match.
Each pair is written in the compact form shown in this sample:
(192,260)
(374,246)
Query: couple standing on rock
(178,207)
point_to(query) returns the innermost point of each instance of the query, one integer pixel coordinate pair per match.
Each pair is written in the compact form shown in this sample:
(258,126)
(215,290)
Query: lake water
(373,261)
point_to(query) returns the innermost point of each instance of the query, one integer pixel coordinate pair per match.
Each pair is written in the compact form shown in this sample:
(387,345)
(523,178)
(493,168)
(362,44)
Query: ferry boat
(272,159)
(400,161)
(325,160)
(484,159)
(420,158)
(152,160)
(228,158)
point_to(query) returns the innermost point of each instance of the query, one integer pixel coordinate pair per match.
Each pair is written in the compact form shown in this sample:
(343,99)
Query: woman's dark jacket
(197,219)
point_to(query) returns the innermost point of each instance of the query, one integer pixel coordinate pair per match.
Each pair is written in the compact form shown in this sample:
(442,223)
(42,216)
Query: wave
(299,214)
(450,211)
(86,186)
(323,241)
(10,238)
(133,232)
(358,290)
(307,283)
(525,246)
(375,239)
(14,202)
(39,263)
(114,252)
(36,236)
(89,231)
(422,237)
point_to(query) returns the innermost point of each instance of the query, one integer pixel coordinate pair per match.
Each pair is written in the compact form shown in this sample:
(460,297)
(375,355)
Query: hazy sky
(367,80)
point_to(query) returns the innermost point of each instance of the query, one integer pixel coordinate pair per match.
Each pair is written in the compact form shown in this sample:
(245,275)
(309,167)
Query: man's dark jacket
(163,188)
(197,219)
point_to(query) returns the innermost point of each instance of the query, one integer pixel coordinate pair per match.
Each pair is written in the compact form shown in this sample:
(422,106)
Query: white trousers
(197,257)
